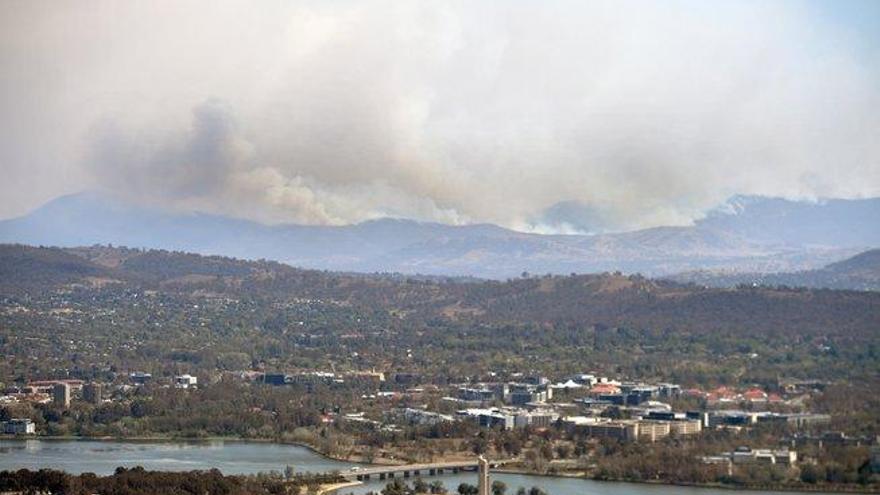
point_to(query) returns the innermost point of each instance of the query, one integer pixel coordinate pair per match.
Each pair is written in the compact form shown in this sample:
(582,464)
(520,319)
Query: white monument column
(484,475)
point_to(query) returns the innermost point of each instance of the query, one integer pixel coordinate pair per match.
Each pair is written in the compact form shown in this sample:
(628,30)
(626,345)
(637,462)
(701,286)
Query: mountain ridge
(860,272)
(483,250)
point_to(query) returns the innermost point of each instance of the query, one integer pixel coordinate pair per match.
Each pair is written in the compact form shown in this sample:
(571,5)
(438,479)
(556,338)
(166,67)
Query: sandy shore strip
(332,488)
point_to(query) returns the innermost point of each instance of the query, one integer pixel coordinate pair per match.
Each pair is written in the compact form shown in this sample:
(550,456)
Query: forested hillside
(100,313)
(603,299)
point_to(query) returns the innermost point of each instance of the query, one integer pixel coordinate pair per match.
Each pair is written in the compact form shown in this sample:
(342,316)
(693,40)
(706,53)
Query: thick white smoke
(545,116)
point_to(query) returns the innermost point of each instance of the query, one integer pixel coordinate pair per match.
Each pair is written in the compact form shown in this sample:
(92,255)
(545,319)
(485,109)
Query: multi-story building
(476,394)
(496,420)
(603,428)
(668,390)
(490,418)
(732,418)
(61,395)
(536,419)
(93,393)
(522,398)
(620,430)
(422,417)
(684,427)
(653,430)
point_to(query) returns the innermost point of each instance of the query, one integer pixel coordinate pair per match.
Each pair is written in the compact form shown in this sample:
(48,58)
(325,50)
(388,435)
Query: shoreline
(756,488)
(332,489)
(516,471)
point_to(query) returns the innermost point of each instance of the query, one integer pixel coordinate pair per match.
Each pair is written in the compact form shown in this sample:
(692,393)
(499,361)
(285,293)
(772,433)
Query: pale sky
(630,113)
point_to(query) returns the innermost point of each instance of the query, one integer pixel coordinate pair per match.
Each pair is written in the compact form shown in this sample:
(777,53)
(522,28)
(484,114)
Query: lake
(231,457)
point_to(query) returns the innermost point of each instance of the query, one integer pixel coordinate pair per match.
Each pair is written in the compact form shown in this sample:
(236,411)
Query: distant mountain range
(861,272)
(747,234)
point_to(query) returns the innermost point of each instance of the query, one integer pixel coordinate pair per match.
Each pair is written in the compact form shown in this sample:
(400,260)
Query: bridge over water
(408,470)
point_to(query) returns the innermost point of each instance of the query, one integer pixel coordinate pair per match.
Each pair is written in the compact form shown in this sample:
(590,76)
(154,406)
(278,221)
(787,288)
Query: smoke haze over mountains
(554,117)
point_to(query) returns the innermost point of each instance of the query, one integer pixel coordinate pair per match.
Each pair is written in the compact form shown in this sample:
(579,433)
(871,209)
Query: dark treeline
(137,481)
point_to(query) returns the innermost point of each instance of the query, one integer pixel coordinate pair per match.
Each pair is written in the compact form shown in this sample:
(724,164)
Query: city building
(185,381)
(140,378)
(422,417)
(19,426)
(732,418)
(490,418)
(521,398)
(798,420)
(685,427)
(275,379)
(620,430)
(602,427)
(92,392)
(653,430)
(746,455)
(476,394)
(61,395)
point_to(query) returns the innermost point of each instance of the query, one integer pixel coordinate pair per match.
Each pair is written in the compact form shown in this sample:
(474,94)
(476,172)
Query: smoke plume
(542,116)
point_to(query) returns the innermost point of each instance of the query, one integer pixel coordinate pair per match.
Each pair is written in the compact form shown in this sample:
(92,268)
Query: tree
(498,487)
(420,486)
(810,474)
(288,472)
(467,489)
(396,487)
(437,487)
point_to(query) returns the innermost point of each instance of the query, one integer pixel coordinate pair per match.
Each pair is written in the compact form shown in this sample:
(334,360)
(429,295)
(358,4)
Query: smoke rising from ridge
(550,117)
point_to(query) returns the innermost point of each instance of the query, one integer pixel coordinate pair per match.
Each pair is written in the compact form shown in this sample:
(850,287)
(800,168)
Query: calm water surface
(78,456)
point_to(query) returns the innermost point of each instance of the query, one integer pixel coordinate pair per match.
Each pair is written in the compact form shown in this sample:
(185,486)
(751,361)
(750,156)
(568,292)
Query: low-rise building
(140,377)
(19,426)
(746,455)
(423,417)
(185,381)
(276,379)
(798,420)
(732,418)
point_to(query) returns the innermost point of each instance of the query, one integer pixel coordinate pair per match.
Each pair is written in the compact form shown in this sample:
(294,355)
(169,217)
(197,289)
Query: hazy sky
(547,116)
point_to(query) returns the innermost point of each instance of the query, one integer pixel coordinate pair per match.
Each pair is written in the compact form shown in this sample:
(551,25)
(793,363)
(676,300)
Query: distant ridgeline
(861,272)
(747,235)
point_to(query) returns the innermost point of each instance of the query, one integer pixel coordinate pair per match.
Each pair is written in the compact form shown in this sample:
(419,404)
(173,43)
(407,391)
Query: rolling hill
(555,301)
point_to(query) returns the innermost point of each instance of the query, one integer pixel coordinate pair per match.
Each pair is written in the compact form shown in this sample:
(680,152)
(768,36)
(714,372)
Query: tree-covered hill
(602,299)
